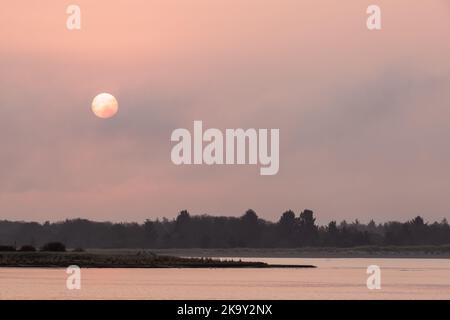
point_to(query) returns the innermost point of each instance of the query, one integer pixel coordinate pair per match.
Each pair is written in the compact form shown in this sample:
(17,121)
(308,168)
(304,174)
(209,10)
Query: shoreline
(209,258)
(336,253)
(139,259)
(268,266)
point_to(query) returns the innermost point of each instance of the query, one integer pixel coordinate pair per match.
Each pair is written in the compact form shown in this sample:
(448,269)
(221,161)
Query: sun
(104,105)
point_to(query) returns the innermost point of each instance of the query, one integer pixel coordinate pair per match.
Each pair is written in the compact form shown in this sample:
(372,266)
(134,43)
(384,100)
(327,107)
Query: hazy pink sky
(364,117)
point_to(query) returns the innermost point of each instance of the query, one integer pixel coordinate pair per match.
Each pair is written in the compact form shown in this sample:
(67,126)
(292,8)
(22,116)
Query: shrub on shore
(27,248)
(54,247)
(7,248)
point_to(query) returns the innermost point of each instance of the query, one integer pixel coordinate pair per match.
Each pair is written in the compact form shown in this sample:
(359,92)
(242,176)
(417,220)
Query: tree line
(204,231)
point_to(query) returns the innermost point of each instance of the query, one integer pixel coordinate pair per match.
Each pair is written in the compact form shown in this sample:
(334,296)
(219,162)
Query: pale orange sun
(104,105)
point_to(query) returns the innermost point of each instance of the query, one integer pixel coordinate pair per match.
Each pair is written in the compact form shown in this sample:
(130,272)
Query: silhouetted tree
(287,229)
(250,229)
(150,233)
(182,229)
(308,229)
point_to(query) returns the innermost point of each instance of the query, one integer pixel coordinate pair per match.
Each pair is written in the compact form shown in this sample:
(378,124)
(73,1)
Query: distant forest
(203,231)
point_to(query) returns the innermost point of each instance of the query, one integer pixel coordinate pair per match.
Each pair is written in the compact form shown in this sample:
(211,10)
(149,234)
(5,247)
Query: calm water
(333,279)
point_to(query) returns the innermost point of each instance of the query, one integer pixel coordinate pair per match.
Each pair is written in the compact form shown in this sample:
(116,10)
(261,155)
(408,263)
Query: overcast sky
(364,117)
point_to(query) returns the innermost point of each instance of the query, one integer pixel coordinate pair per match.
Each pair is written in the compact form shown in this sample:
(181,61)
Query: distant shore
(413,252)
(121,259)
